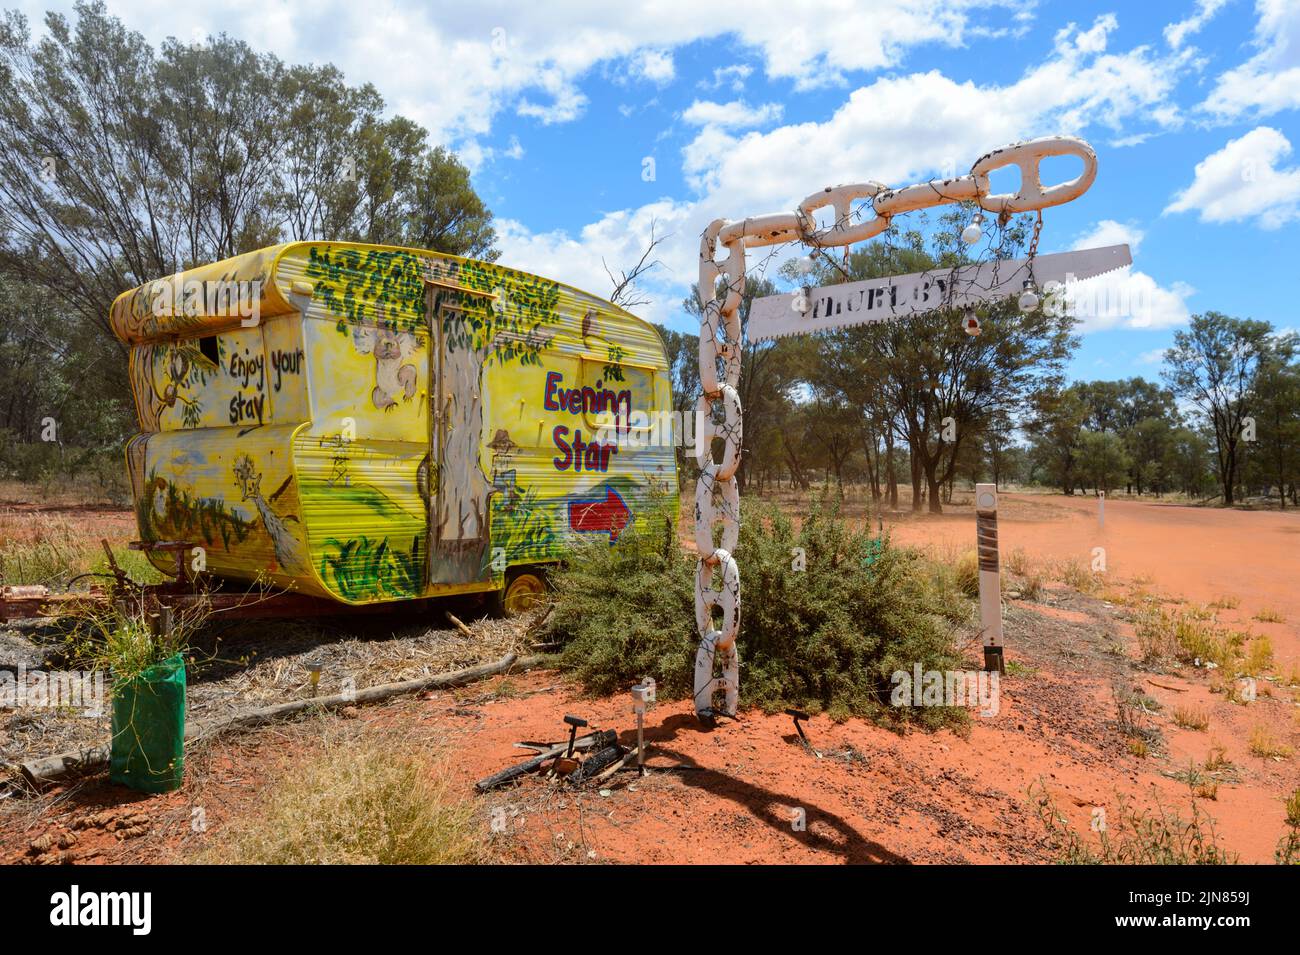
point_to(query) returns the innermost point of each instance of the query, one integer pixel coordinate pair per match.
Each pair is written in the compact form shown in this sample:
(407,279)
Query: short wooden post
(1101,509)
(986,536)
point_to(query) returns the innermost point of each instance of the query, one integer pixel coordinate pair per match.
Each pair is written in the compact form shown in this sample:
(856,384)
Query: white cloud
(514,149)
(1110,232)
(946,125)
(1244,181)
(453,68)
(734,115)
(655,66)
(1177,33)
(1127,298)
(733,76)
(1153,357)
(1269,81)
(567,101)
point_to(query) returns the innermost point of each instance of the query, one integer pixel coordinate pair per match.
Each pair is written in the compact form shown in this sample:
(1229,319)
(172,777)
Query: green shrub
(827,637)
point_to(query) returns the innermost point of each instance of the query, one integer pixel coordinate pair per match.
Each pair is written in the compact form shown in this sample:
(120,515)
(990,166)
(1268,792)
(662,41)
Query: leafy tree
(933,374)
(1103,462)
(1055,431)
(1213,366)
(1276,401)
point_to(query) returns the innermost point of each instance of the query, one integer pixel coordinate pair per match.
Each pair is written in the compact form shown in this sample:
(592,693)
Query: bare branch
(625,293)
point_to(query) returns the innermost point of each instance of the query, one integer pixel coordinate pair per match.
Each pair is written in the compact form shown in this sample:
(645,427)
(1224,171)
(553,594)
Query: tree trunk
(891,479)
(917,499)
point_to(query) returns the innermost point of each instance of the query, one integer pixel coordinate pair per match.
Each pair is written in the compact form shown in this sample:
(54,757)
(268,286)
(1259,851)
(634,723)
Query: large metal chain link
(718,413)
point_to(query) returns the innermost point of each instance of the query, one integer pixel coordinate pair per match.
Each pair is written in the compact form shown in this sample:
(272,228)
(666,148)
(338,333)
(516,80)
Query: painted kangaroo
(286,545)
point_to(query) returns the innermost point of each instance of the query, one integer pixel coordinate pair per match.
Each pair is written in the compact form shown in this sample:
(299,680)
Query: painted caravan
(373,424)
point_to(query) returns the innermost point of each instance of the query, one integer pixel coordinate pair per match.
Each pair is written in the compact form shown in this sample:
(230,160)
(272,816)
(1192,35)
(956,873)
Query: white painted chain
(717,495)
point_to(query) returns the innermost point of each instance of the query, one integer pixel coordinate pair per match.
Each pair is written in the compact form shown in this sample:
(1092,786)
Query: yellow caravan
(370,424)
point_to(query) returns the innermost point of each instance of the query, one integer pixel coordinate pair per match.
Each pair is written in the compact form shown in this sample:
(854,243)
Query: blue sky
(745,109)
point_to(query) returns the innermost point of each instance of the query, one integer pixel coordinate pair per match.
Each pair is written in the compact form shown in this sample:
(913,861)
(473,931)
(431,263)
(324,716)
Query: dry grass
(36,548)
(1018,562)
(1191,719)
(1259,656)
(1292,675)
(1187,636)
(1264,745)
(1079,577)
(1134,836)
(1270,615)
(1217,760)
(257,663)
(1226,602)
(366,797)
(1031,587)
(968,574)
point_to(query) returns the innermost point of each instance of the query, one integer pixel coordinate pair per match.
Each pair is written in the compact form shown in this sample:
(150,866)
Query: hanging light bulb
(1028,298)
(970,323)
(973,233)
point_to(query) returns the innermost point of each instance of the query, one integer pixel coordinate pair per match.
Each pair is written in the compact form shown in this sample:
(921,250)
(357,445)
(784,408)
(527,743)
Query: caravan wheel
(524,591)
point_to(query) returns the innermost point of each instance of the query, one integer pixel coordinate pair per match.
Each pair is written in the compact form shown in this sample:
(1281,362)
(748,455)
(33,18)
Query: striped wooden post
(986,535)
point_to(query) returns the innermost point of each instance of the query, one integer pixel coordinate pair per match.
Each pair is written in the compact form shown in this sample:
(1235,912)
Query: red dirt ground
(1198,553)
(871,795)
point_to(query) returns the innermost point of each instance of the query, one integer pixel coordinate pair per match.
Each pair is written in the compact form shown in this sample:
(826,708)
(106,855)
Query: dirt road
(1199,553)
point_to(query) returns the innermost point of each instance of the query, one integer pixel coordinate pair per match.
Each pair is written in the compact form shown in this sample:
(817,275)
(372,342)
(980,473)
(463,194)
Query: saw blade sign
(805,311)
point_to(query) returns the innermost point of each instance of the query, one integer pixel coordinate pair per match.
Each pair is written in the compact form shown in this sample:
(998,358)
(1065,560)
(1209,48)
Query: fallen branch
(459,624)
(94,759)
(601,740)
(1163,686)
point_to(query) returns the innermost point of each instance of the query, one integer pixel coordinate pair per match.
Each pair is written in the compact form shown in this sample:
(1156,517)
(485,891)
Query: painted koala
(393,373)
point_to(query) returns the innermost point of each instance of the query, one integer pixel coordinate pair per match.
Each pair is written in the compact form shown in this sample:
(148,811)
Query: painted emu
(283,539)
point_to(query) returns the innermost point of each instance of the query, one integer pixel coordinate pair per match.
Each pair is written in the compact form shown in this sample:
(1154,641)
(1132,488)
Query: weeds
(1264,745)
(1191,719)
(1201,784)
(1288,849)
(1078,577)
(1270,615)
(1185,636)
(1131,836)
(365,798)
(1259,656)
(54,553)
(1133,710)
